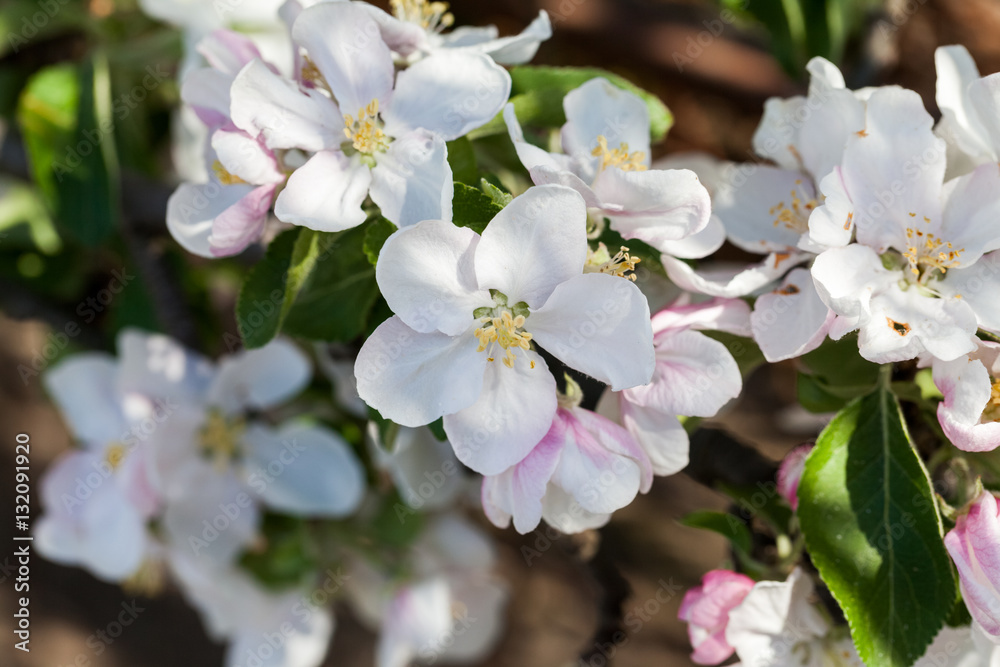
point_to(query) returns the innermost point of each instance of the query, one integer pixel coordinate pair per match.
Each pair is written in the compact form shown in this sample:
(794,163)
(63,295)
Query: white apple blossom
(694,376)
(369,129)
(765,209)
(778,625)
(468,310)
(450,608)
(918,277)
(970,110)
(607,158)
(585,468)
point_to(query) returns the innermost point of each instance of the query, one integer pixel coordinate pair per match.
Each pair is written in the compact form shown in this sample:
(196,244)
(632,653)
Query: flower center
(927,253)
(115,454)
(224,176)
(220,437)
(147,581)
(618,157)
(366,133)
(503,326)
(796,215)
(992,410)
(432,16)
(622,265)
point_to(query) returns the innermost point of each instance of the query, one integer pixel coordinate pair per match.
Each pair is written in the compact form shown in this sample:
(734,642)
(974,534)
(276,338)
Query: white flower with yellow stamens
(469,311)
(370,130)
(606,145)
(918,277)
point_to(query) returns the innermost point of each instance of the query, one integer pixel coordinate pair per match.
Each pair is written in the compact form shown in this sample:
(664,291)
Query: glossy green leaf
(473,208)
(871,525)
(731,527)
(258,308)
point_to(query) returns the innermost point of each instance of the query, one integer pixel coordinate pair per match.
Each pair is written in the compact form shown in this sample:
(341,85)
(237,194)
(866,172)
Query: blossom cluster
(552,354)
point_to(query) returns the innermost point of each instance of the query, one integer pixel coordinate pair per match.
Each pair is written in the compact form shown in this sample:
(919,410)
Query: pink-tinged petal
(413,378)
(412,181)
(791,320)
(326,193)
(448,93)
(695,376)
(967,390)
(536,242)
(426,274)
(973,545)
(655,206)
(192,210)
(417,620)
(894,169)
(602,466)
(511,414)
(718,314)
(766,210)
(207,92)
(706,609)
(242,223)
(228,51)
(266,104)
(790,472)
(518,491)
(259,379)
(659,433)
(402,37)
(599,108)
(562,511)
(597,324)
(730,282)
(245,157)
(698,245)
(345,43)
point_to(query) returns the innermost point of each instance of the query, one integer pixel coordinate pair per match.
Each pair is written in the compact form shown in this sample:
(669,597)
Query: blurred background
(63,240)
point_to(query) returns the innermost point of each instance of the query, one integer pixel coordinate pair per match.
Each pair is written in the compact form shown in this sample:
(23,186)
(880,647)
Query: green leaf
(731,527)
(871,525)
(814,396)
(65,116)
(537,95)
(311,248)
(500,197)
(462,159)
(376,234)
(336,298)
(258,307)
(473,208)
(289,559)
(20,205)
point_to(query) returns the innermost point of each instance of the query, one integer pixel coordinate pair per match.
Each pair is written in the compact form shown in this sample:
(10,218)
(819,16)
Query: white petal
(904,324)
(303,470)
(599,108)
(833,116)
(657,207)
(412,181)
(260,378)
(956,72)
(448,93)
(977,286)
(426,274)
(847,278)
(752,210)
(264,103)
(538,241)
(561,511)
(894,171)
(777,134)
(660,435)
(423,468)
(468,36)
(695,376)
(160,367)
(414,378)
(719,314)
(402,37)
(698,245)
(531,156)
(326,193)
(85,390)
(242,223)
(791,320)
(246,157)
(345,43)
(518,49)
(206,90)
(228,51)
(832,224)
(512,414)
(726,282)
(971,212)
(598,324)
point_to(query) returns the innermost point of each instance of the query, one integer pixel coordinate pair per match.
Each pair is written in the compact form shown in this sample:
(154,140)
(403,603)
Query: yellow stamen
(796,216)
(618,157)
(221,436)
(926,252)
(433,16)
(224,176)
(147,581)
(366,133)
(115,454)
(505,331)
(622,265)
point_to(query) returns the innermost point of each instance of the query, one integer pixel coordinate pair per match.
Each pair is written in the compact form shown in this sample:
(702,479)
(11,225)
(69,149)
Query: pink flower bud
(790,473)
(974,545)
(706,609)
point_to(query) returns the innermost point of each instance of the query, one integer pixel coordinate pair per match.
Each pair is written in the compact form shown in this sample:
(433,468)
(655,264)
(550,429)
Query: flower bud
(706,609)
